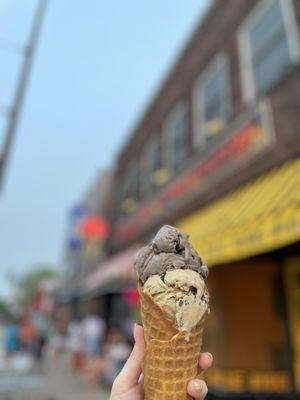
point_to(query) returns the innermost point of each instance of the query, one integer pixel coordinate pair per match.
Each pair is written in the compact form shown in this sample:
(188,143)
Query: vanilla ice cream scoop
(182,294)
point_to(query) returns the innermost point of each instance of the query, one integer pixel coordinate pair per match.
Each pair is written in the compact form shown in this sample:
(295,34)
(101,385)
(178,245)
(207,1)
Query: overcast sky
(98,64)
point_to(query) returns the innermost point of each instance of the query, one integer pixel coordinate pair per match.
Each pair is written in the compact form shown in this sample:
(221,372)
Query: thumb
(131,371)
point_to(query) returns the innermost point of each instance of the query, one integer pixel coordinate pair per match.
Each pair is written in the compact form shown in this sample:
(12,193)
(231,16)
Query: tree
(4,309)
(29,284)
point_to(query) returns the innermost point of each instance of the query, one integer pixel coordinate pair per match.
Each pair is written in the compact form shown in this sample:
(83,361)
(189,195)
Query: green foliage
(29,283)
(5,311)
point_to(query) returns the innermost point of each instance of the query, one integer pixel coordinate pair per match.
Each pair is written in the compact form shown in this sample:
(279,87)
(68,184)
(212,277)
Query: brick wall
(218,33)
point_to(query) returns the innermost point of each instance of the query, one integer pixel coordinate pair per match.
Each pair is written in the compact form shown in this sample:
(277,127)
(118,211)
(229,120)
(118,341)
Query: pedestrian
(12,337)
(75,344)
(105,368)
(117,351)
(128,385)
(28,335)
(93,330)
(44,332)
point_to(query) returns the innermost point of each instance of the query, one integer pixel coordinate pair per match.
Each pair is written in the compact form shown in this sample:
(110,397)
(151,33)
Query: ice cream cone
(170,360)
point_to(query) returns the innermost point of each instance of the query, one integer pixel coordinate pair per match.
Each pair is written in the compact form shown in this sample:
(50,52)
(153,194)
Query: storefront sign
(246,137)
(239,381)
(75,217)
(94,227)
(259,217)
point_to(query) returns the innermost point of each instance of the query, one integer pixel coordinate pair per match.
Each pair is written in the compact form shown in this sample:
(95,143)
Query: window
(268,41)
(130,188)
(151,163)
(212,100)
(176,134)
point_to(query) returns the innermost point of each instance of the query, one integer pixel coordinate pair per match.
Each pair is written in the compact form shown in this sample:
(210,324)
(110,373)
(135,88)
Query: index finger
(130,374)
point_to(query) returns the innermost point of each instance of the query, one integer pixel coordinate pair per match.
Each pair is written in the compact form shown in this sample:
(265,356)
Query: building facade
(217,154)
(87,232)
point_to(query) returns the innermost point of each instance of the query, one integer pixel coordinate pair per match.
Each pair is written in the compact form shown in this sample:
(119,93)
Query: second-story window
(268,42)
(151,166)
(212,100)
(176,136)
(130,189)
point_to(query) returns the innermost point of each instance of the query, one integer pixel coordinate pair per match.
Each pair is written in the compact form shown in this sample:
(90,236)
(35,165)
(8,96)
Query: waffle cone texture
(170,361)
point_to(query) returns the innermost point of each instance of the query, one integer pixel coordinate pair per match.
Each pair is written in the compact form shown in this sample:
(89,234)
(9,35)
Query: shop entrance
(291,275)
(246,330)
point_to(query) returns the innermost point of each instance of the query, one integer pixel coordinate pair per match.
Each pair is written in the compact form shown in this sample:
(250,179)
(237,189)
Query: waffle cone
(170,361)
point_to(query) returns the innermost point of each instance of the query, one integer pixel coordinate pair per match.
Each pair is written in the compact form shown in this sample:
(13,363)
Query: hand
(128,385)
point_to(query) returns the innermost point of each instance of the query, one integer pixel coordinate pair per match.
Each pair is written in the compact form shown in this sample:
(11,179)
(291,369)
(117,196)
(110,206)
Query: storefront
(250,239)
(253,329)
(109,287)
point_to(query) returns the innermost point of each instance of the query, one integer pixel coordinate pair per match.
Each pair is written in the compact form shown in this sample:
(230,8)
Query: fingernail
(210,355)
(134,330)
(200,387)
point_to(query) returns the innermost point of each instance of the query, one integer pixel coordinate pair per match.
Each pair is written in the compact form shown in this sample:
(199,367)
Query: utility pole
(14,112)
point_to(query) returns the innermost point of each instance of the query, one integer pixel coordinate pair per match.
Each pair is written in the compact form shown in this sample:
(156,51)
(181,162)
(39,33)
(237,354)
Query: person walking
(93,330)
(12,337)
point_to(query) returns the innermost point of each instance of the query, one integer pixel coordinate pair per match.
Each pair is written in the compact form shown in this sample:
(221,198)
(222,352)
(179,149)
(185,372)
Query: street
(22,379)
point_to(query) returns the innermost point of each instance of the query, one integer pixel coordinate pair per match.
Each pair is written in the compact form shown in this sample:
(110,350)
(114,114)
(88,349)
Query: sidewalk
(60,384)
(22,379)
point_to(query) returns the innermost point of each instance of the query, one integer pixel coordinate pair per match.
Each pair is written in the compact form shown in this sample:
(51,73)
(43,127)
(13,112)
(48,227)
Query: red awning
(118,268)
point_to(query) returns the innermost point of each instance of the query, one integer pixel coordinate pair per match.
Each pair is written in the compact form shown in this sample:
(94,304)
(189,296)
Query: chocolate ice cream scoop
(170,249)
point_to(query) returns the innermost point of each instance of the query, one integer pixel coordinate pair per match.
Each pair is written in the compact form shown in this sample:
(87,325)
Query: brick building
(181,127)
(217,154)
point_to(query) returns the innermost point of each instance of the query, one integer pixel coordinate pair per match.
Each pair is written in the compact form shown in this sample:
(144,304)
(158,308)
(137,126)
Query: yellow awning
(261,216)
